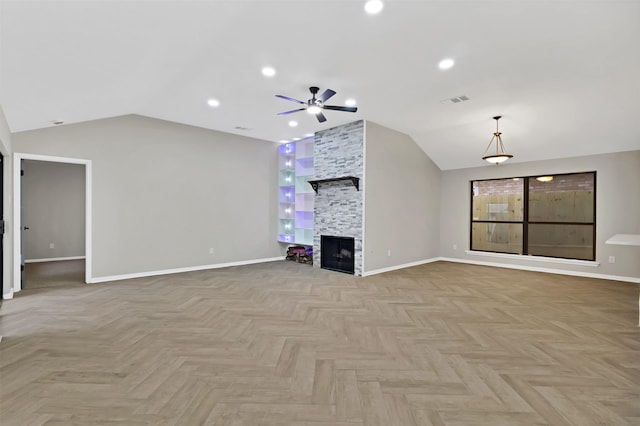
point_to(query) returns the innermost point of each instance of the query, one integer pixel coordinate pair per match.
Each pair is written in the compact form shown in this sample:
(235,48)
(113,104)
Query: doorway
(19,225)
(53,228)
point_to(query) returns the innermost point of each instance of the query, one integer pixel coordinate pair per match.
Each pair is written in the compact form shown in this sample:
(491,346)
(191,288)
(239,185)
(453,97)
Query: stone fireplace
(338,205)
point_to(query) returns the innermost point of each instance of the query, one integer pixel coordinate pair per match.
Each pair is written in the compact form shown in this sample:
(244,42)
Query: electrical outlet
(51,245)
(612,259)
(211,250)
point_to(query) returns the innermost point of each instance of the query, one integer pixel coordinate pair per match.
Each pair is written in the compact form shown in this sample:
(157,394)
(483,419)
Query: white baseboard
(7,296)
(528,258)
(95,280)
(545,270)
(509,266)
(54,259)
(396,267)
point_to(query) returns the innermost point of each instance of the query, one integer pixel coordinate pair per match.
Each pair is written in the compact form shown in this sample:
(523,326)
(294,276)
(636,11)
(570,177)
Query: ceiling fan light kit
(315,106)
(500,156)
(314,109)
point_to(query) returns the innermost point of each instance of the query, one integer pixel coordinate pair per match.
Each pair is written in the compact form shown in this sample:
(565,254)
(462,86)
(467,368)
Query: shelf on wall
(304,236)
(624,240)
(354,180)
(286,238)
(304,164)
(296,197)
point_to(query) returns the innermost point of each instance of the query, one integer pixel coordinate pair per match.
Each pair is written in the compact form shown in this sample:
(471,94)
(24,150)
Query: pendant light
(500,156)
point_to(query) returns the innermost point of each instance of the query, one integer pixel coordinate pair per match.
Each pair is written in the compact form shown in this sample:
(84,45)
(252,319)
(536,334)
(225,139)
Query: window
(550,216)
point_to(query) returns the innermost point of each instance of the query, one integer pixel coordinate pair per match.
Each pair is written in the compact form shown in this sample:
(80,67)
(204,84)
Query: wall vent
(455,100)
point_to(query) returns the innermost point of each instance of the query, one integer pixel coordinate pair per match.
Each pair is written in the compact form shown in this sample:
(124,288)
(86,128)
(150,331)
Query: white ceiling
(565,75)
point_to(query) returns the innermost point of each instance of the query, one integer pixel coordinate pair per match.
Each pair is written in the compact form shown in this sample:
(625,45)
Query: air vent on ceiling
(241,128)
(455,100)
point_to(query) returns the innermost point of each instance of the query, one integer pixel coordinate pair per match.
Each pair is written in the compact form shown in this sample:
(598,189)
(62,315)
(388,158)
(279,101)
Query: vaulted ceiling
(565,75)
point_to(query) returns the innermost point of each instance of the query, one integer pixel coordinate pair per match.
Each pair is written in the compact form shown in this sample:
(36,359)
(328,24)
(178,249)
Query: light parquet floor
(53,274)
(286,344)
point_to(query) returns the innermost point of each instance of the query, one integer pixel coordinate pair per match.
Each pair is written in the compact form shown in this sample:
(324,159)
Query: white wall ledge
(54,259)
(624,240)
(534,258)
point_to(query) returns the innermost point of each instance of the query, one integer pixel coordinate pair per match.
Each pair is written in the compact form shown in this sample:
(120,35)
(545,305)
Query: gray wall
(164,193)
(402,200)
(7,241)
(617,211)
(54,209)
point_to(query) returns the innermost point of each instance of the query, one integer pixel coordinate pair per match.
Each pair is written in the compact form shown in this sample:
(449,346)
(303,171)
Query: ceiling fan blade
(286,98)
(326,95)
(340,108)
(321,118)
(291,112)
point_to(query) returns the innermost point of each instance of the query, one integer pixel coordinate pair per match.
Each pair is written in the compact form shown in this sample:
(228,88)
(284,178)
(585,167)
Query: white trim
(88,220)
(545,270)
(180,270)
(508,266)
(534,258)
(8,296)
(17,235)
(396,267)
(624,240)
(54,259)
(363,187)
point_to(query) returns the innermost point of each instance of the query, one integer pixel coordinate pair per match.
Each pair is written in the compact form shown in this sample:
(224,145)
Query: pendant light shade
(499,156)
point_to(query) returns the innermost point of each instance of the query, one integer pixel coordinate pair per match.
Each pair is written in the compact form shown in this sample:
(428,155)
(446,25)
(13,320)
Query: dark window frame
(525,222)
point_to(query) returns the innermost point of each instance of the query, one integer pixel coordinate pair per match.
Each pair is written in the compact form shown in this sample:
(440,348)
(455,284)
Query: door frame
(3,230)
(17,235)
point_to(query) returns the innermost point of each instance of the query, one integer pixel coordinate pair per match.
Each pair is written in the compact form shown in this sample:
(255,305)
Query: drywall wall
(165,194)
(7,240)
(617,209)
(402,199)
(54,203)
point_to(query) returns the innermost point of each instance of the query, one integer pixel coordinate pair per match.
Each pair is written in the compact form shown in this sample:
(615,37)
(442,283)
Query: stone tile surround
(338,206)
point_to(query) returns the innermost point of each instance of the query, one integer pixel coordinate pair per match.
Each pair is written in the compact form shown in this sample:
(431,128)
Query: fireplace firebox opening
(337,253)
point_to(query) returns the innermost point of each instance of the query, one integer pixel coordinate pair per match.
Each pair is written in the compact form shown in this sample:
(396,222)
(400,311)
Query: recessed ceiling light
(350,102)
(268,72)
(296,139)
(283,141)
(308,135)
(293,123)
(373,6)
(213,103)
(445,64)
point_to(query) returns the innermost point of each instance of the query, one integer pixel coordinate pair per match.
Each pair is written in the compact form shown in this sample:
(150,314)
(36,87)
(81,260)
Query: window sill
(624,240)
(534,258)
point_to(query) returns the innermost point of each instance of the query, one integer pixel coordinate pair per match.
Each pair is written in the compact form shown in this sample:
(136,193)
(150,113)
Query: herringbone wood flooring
(53,274)
(287,344)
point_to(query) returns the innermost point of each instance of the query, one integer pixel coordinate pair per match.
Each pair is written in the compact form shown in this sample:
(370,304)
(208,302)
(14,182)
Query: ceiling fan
(316,105)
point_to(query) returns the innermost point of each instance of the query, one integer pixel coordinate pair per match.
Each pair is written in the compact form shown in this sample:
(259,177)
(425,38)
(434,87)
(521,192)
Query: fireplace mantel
(354,180)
